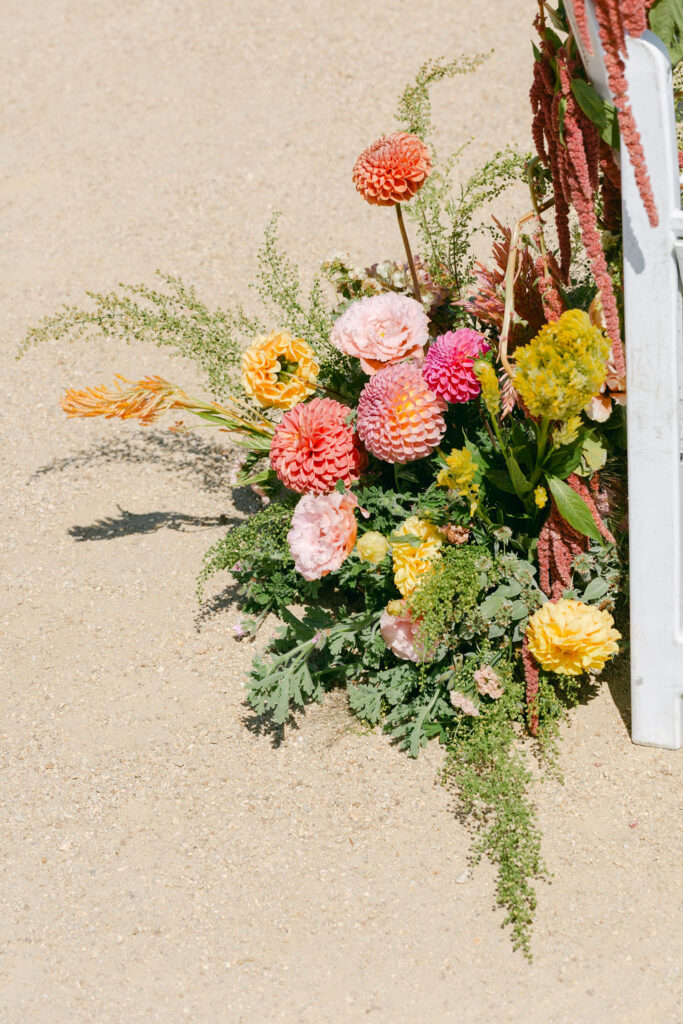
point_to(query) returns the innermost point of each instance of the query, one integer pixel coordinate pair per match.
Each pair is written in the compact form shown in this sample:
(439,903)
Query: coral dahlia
(392,169)
(381,329)
(449,365)
(399,418)
(314,447)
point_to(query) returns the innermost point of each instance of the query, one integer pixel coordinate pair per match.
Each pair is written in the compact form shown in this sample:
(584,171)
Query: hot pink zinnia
(323,533)
(314,447)
(382,329)
(399,418)
(449,365)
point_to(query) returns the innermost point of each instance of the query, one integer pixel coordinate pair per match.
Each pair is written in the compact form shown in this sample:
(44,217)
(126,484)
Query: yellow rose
(372,547)
(570,637)
(413,557)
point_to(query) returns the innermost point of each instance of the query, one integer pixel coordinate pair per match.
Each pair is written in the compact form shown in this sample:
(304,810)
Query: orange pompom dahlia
(314,447)
(399,418)
(392,169)
(279,370)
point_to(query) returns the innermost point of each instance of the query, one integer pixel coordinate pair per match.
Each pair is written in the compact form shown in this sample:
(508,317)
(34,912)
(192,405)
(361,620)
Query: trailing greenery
(492,780)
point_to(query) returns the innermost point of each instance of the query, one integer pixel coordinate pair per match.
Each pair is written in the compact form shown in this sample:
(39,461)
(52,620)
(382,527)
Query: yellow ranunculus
(278,370)
(412,559)
(570,637)
(563,367)
(372,547)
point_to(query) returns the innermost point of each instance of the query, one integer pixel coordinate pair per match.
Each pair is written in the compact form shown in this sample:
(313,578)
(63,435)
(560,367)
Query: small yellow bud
(395,607)
(372,547)
(541,497)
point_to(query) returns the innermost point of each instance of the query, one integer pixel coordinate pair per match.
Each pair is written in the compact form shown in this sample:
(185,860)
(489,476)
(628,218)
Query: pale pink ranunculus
(399,633)
(323,533)
(382,329)
(464,704)
(488,682)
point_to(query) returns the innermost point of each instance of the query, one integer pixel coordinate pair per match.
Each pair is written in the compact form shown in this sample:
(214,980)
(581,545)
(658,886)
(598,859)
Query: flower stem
(406,243)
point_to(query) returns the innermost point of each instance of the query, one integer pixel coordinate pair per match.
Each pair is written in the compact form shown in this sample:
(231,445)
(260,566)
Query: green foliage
(279,287)
(446,217)
(492,780)
(176,319)
(666,19)
(414,112)
(447,593)
(257,556)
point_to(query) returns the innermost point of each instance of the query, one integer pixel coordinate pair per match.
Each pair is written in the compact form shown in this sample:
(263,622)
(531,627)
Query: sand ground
(160,862)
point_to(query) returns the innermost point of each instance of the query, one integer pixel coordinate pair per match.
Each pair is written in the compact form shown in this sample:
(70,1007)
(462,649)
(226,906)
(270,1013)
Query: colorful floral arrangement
(439,449)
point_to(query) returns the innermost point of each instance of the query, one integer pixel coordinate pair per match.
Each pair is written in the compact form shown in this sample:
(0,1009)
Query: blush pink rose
(323,533)
(399,633)
(382,329)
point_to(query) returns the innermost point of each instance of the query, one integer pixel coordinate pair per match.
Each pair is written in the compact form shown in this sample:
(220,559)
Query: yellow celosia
(490,388)
(413,557)
(567,432)
(279,370)
(570,637)
(541,497)
(372,547)
(563,367)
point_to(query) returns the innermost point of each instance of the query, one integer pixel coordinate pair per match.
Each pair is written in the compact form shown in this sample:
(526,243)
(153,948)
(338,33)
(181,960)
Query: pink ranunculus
(464,704)
(399,633)
(449,365)
(323,533)
(488,682)
(382,329)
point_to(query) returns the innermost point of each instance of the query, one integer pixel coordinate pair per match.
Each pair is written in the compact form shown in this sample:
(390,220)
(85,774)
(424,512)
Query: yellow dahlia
(413,557)
(570,637)
(563,367)
(279,370)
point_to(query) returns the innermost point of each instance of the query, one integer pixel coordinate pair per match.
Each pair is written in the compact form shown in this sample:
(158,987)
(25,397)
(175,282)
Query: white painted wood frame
(654,358)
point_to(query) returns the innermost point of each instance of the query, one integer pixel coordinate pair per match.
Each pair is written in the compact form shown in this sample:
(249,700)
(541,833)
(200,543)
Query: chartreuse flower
(567,432)
(563,367)
(458,475)
(490,389)
(372,547)
(413,556)
(570,637)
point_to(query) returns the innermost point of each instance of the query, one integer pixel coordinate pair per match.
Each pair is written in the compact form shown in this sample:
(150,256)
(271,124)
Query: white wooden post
(654,360)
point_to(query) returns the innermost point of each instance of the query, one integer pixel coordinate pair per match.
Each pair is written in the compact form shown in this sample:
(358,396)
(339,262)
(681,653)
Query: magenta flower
(449,365)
